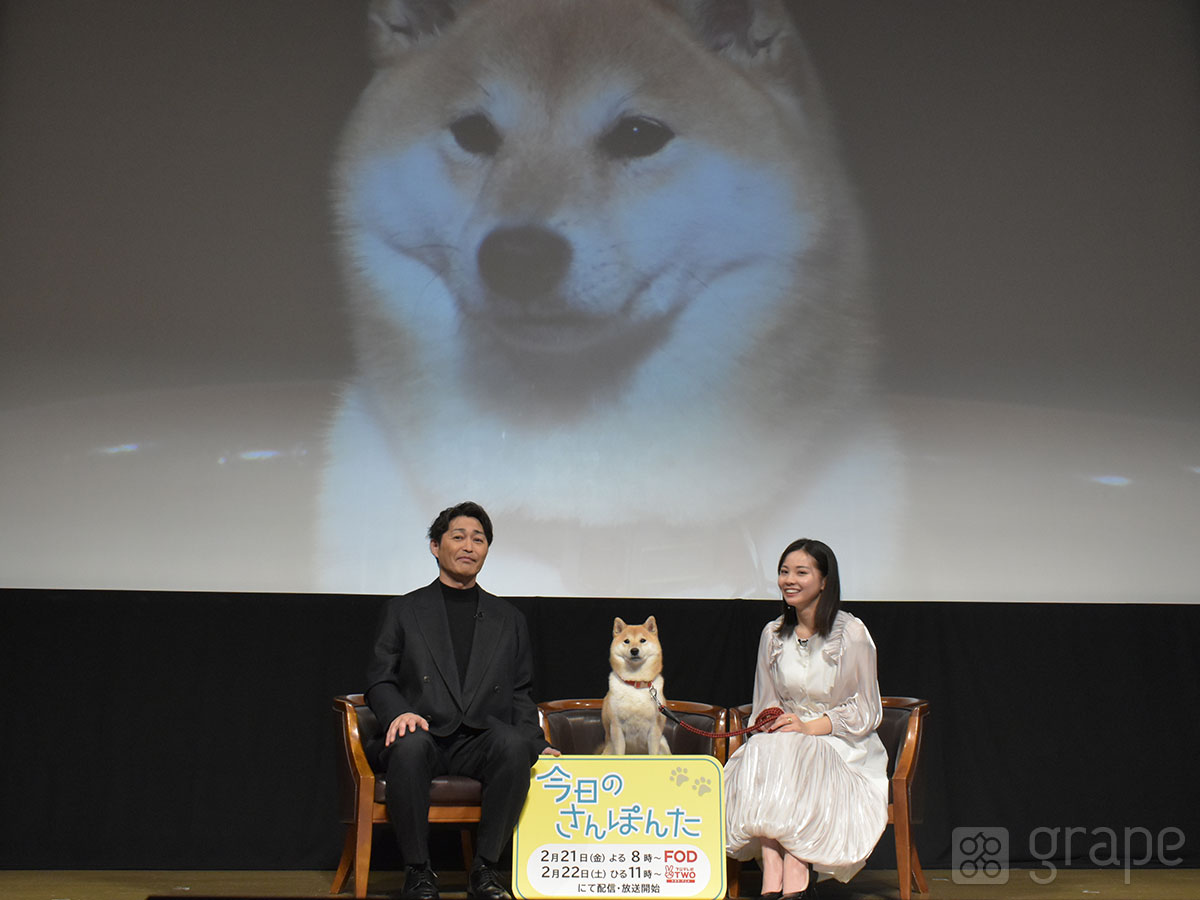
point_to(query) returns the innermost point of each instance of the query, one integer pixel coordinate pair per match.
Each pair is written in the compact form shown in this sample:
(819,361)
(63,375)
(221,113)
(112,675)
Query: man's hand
(551,751)
(402,725)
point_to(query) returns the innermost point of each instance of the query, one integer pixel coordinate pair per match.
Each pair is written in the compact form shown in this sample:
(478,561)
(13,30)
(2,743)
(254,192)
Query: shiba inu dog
(632,722)
(604,274)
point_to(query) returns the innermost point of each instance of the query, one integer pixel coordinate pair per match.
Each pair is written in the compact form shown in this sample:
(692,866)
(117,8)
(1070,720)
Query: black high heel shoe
(771,895)
(809,893)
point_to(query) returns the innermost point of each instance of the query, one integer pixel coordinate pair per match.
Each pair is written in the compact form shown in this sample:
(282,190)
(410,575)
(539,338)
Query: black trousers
(499,757)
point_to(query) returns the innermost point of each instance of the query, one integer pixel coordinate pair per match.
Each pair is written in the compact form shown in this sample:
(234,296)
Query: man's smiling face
(461,551)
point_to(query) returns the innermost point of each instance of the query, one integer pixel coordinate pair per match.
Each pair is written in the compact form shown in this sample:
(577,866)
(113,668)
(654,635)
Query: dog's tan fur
(632,722)
(706,338)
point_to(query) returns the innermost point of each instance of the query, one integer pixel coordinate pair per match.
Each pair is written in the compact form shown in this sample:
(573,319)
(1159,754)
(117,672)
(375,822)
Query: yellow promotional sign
(622,826)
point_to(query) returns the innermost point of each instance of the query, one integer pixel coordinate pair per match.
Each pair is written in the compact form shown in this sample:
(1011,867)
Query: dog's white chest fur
(634,719)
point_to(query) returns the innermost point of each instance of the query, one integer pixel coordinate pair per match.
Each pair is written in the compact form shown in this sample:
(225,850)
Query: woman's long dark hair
(830,600)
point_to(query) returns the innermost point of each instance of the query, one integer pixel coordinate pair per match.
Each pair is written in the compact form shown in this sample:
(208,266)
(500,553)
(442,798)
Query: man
(451,675)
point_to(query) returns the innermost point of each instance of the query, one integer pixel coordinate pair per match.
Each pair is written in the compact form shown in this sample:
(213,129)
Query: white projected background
(268,302)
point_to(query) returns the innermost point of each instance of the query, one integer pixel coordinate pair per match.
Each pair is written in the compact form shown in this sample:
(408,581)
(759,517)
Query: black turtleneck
(461,609)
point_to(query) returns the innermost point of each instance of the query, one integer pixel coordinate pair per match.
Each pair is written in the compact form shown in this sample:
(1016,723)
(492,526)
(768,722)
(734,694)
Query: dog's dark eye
(635,136)
(476,134)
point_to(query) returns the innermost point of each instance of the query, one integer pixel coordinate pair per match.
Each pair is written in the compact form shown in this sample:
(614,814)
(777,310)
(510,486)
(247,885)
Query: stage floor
(1144,884)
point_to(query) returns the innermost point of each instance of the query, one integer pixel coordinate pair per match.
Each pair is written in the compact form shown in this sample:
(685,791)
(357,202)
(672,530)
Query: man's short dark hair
(467,508)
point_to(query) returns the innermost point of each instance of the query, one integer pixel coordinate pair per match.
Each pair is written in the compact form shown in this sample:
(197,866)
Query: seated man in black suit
(451,673)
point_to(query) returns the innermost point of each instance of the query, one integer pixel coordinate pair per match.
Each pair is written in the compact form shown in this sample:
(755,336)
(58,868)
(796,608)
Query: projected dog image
(604,276)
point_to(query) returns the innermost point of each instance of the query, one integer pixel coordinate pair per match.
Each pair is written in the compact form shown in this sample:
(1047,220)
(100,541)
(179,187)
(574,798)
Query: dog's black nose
(523,262)
(633,651)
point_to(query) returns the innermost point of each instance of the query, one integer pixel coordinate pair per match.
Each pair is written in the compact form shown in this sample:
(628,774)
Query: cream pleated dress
(823,797)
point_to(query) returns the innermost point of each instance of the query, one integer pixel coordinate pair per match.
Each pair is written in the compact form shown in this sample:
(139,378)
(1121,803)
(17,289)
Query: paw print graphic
(702,786)
(679,775)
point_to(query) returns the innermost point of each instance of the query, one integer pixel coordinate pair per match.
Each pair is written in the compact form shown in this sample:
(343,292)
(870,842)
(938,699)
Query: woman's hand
(792,722)
(787,722)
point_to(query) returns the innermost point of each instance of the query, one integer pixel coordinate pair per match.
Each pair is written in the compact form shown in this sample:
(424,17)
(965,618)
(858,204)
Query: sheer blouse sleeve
(766,693)
(861,710)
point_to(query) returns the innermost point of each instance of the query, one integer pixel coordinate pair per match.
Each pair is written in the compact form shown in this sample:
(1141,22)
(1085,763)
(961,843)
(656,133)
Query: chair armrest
(738,717)
(906,761)
(355,758)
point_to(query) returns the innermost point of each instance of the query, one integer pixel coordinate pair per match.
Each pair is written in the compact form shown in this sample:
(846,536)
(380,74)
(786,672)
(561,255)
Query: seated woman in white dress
(810,791)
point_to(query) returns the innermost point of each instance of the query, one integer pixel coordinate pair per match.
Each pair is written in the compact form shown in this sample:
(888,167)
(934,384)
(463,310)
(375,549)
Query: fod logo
(680,856)
(680,865)
(686,868)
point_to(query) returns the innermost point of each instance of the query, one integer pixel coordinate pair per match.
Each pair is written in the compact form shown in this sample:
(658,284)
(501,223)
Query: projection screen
(662,285)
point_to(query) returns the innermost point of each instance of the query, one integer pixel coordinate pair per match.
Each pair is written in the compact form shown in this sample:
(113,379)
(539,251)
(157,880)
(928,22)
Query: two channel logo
(979,855)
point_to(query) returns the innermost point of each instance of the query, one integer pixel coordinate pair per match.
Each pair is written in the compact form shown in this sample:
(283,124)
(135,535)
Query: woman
(810,792)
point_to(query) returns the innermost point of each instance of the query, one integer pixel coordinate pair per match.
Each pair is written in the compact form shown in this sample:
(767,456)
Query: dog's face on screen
(589,234)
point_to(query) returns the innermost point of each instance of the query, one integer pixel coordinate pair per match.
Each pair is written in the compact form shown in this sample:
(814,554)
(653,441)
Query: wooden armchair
(453,798)
(574,726)
(901,734)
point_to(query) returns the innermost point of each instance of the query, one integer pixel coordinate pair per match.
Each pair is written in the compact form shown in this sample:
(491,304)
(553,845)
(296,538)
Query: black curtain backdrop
(195,731)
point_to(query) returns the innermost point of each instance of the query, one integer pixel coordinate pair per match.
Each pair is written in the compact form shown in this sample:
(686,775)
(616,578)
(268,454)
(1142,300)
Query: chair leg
(468,848)
(344,864)
(904,851)
(733,876)
(362,851)
(918,872)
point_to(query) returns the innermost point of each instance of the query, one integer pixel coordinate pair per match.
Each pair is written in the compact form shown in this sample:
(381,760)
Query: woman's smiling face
(800,580)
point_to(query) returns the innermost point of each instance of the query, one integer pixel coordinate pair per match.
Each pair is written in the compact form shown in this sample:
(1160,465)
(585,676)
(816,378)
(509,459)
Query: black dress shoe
(484,883)
(420,883)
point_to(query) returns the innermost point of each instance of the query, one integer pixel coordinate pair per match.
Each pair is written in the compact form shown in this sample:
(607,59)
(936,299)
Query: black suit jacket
(412,667)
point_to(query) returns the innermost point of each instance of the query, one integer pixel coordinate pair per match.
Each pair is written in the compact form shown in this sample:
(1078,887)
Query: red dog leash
(765,718)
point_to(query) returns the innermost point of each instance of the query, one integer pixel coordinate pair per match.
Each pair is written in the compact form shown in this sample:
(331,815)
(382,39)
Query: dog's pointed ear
(396,26)
(751,33)
(618,626)
(650,625)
